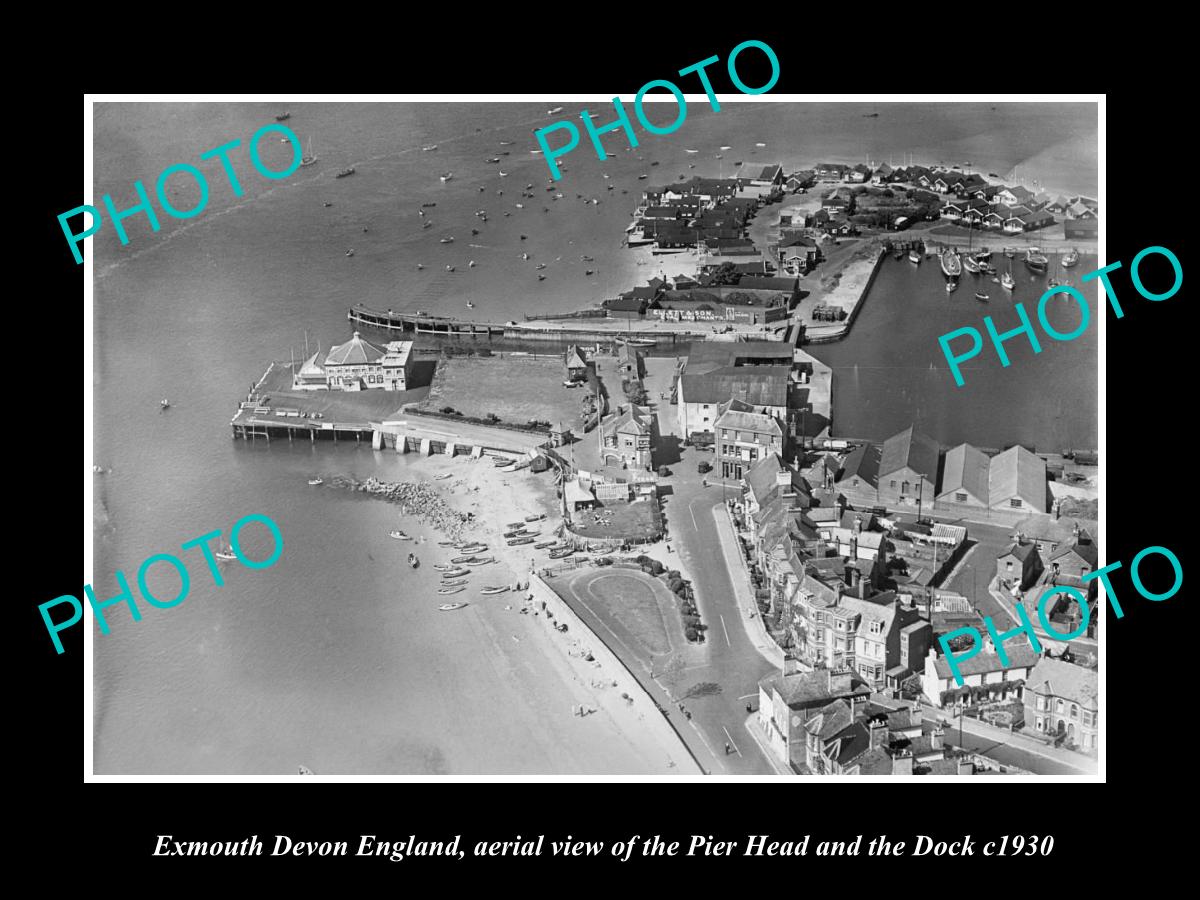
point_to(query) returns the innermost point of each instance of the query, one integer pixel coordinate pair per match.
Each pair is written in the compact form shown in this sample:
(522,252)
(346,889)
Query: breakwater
(410,324)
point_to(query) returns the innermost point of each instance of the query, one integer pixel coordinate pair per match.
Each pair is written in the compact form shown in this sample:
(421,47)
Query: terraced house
(1062,698)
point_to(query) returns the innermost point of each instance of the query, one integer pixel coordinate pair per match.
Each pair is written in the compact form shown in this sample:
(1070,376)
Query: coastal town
(690,523)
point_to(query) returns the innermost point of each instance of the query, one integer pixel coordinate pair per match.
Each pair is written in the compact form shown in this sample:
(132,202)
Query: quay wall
(862,299)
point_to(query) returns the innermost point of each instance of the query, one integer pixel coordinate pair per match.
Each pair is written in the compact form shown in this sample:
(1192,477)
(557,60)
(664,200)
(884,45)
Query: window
(1039,721)
(1015,502)
(1058,707)
(1040,704)
(725,432)
(1074,711)
(891,484)
(1087,717)
(961,497)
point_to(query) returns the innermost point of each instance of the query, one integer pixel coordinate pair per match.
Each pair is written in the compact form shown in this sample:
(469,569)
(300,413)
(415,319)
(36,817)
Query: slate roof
(355,352)
(1019,653)
(1018,473)
(756,385)
(912,449)
(1066,680)
(749,421)
(863,462)
(966,470)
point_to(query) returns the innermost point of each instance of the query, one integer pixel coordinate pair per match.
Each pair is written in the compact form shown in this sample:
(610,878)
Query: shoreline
(617,715)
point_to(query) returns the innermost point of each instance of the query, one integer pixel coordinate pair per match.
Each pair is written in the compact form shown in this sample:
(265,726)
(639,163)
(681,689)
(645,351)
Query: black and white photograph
(494,437)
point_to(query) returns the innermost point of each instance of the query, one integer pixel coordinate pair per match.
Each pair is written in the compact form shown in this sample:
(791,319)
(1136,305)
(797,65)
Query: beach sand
(536,674)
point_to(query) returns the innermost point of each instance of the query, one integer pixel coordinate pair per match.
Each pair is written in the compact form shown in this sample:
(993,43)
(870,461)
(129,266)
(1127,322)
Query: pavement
(1011,748)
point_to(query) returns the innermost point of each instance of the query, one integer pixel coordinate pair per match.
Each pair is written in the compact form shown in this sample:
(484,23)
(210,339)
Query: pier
(599,329)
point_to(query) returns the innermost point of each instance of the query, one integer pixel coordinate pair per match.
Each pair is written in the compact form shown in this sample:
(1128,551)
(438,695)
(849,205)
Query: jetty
(597,329)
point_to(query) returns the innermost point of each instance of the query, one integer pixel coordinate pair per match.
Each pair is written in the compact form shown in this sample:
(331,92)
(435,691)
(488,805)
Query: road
(1017,751)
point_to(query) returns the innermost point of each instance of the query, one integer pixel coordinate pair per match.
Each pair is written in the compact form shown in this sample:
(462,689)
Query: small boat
(225,553)
(1007,281)
(587,272)
(637,342)
(543,545)
(470,265)
(453,590)
(1010,252)
(559,554)
(315,481)
(642,177)
(445,544)
(541,278)
(459,560)
(474,231)
(951,263)
(446,240)
(450,607)
(1070,258)
(470,305)
(914,257)
(304,770)
(413,561)
(427,225)
(726,147)
(495,590)
(430,147)
(492,159)
(987,268)
(587,258)
(420,266)
(521,540)
(691,151)
(308,159)
(982,254)
(520,532)
(536,517)
(870,115)
(449,268)
(655,163)
(457,583)
(428,205)
(327,204)
(345,172)
(350,252)
(951,286)
(556,110)
(399,535)
(982,296)
(446,176)
(738,163)
(456,572)
(482,562)
(524,256)
(1035,261)
(443,567)
(760,144)
(540,266)
(970,265)
(164,403)
(283,117)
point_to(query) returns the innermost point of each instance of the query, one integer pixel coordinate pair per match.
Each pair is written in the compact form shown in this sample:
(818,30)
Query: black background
(111,828)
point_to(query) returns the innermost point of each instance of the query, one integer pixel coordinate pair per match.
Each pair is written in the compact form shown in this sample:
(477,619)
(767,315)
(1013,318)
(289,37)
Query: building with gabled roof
(630,437)
(1063,698)
(1017,480)
(908,468)
(788,699)
(965,476)
(743,437)
(985,667)
(358,365)
(1019,566)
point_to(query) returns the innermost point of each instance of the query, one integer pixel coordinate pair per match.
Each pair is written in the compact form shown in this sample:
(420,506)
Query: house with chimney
(1062,698)
(1002,679)
(1019,566)
(788,699)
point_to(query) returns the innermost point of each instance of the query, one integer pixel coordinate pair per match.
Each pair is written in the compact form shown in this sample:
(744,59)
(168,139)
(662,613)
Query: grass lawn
(640,520)
(628,603)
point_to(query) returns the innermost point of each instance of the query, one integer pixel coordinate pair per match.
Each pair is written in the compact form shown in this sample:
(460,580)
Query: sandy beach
(548,676)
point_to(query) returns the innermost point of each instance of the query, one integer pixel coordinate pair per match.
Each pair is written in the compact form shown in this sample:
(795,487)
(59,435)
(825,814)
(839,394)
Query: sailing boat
(968,260)
(1007,281)
(308,159)
(226,552)
(1054,282)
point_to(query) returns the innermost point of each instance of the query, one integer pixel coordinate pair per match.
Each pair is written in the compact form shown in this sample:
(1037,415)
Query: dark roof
(772,282)
(625,304)
(1020,551)
(1086,552)
(757,385)
(863,462)
(706,356)
(912,449)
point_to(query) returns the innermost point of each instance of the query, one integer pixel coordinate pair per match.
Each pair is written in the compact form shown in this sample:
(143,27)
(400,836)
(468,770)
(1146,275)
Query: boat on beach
(536,517)
(459,560)
(458,582)
(482,562)
(514,542)
(456,572)
(443,477)
(450,607)
(982,296)
(560,554)
(495,590)
(543,545)
(453,590)
(399,535)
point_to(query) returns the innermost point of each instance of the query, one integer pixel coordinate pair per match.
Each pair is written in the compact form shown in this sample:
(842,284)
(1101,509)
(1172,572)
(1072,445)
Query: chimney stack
(902,763)
(935,738)
(878,731)
(791,665)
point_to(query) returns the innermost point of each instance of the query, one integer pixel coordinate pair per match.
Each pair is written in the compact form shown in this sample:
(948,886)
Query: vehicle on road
(704,467)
